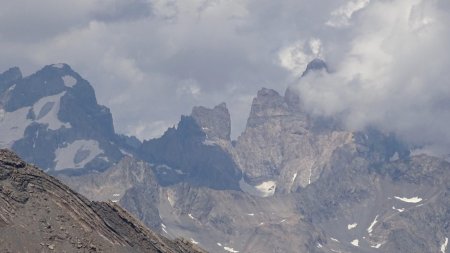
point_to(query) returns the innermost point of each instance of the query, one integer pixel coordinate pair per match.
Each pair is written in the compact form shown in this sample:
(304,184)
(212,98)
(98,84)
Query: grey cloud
(151,61)
(24,21)
(119,10)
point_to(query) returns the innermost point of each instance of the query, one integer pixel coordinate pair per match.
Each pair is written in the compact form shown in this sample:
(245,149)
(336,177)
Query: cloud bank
(394,73)
(152,60)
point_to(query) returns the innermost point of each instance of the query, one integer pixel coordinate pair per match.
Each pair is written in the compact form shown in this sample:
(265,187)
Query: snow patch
(319,245)
(126,153)
(251,214)
(444,245)
(376,246)
(194,241)
(219,244)
(355,242)
(352,226)
(265,189)
(46,111)
(190,216)
(69,81)
(294,177)
(115,198)
(409,200)
(370,228)
(76,154)
(334,239)
(12,87)
(171,202)
(310,175)
(399,209)
(230,250)
(12,126)
(394,158)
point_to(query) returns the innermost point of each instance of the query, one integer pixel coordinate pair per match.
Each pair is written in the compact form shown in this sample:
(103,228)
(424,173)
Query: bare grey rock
(214,122)
(31,224)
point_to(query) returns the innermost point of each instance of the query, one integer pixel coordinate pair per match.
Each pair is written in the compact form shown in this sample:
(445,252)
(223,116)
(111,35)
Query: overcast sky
(152,60)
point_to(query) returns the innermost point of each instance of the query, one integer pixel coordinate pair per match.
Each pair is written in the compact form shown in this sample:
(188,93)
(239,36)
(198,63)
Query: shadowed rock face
(215,123)
(37,212)
(315,65)
(8,77)
(187,154)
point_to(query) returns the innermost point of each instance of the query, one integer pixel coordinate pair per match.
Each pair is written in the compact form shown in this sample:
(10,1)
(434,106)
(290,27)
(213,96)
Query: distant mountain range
(291,182)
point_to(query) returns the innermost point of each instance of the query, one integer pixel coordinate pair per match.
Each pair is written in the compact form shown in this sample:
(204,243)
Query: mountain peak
(315,65)
(11,74)
(267,103)
(216,122)
(8,77)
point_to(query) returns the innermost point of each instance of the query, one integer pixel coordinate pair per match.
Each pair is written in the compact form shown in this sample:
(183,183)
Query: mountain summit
(315,65)
(52,119)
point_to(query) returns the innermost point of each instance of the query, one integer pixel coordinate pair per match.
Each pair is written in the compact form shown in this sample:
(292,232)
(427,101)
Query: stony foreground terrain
(40,214)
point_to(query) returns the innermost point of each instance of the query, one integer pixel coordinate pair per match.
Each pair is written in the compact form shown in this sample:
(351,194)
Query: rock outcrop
(38,213)
(195,151)
(215,123)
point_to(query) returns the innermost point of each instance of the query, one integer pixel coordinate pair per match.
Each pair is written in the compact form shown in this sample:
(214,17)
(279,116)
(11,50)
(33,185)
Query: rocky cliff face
(284,147)
(195,151)
(38,213)
(215,123)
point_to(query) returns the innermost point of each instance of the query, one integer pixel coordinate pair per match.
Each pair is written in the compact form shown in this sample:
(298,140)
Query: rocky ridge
(38,213)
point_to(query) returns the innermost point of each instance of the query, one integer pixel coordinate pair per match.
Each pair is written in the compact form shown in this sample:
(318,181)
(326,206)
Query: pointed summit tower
(315,65)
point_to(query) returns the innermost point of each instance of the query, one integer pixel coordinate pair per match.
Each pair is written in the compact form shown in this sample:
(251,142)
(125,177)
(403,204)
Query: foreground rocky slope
(40,214)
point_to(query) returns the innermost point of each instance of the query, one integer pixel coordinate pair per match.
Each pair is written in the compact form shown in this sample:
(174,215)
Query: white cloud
(341,16)
(296,56)
(151,61)
(394,74)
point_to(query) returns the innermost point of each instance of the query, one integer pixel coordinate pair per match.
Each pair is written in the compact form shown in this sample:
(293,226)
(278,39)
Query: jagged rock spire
(315,65)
